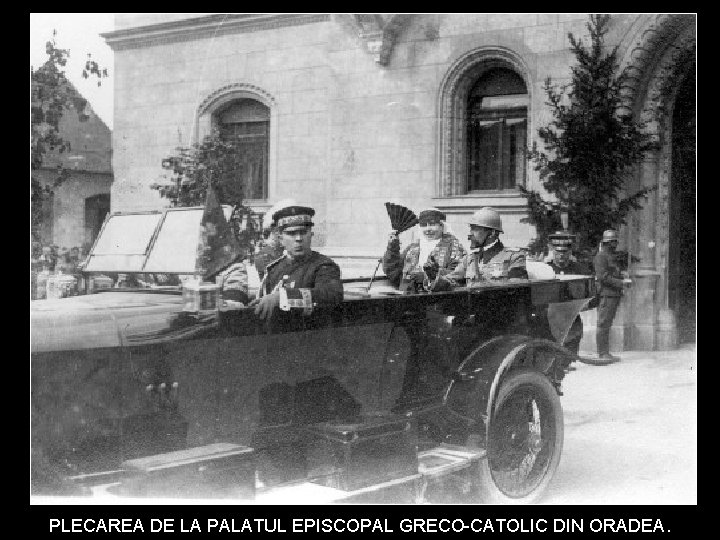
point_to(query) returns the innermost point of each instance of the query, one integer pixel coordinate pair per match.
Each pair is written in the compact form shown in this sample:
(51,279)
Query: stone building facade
(350,111)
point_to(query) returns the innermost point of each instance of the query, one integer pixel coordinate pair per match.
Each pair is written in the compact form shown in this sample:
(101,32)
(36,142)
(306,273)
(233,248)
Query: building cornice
(203,27)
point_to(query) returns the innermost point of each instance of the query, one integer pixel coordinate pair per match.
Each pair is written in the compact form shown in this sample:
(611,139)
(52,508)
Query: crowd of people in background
(51,261)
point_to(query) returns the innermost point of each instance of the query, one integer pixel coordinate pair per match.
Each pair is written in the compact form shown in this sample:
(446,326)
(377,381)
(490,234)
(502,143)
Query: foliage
(219,163)
(590,150)
(52,97)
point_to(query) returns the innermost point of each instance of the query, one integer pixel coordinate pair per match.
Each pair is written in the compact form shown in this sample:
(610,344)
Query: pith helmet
(487,217)
(609,236)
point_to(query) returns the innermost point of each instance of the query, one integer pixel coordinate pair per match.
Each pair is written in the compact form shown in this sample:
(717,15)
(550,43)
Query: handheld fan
(401,218)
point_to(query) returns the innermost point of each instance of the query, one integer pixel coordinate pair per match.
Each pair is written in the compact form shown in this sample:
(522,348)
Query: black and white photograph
(363,258)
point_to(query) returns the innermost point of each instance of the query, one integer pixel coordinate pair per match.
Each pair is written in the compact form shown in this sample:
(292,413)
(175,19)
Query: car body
(122,374)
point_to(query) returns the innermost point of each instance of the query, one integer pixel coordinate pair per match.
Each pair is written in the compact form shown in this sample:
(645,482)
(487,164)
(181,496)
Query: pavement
(630,431)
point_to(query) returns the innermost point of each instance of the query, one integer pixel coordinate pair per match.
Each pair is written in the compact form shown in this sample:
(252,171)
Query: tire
(524,440)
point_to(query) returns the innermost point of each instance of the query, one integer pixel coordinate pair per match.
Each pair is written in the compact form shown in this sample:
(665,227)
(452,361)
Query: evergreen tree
(590,151)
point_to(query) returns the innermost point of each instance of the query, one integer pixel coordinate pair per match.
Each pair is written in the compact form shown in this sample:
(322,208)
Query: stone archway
(658,66)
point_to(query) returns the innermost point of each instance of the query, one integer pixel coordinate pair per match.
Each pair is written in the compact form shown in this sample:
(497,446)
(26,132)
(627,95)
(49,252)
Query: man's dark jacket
(312,281)
(607,275)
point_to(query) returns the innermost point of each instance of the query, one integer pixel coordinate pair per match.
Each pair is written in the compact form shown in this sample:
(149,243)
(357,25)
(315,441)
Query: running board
(433,464)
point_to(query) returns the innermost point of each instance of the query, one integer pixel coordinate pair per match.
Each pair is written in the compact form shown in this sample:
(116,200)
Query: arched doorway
(682,256)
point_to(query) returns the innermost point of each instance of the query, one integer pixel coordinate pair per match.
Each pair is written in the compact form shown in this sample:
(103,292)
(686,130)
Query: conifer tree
(590,150)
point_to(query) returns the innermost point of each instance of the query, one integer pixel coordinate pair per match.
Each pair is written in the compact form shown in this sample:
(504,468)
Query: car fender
(470,395)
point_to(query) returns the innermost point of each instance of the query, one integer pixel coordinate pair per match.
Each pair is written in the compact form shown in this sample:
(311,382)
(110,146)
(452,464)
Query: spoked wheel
(525,439)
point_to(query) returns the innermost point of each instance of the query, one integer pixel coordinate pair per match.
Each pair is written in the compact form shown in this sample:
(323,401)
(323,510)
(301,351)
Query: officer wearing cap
(563,263)
(272,247)
(302,278)
(488,258)
(435,252)
(610,290)
(561,259)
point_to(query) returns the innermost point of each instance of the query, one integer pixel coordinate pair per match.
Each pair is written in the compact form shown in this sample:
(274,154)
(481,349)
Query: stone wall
(349,134)
(68,209)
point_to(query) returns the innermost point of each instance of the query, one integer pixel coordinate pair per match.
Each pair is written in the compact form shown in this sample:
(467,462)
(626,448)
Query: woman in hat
(436,252)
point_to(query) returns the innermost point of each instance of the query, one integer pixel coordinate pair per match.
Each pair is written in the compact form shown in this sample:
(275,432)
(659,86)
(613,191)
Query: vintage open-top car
(128,381)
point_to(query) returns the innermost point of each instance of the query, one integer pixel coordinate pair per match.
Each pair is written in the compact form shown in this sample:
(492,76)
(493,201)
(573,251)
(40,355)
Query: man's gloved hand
(265,306)
(431,268)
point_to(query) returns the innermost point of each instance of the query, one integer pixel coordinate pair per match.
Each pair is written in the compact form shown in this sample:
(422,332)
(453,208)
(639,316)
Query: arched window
(496,131)
(483,125)
(247,122)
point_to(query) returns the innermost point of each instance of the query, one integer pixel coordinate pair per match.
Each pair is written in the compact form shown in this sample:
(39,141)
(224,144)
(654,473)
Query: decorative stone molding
(650,41)
(452,112)
(661,55)
(668,71)
(204,27)
(234,91)
(378,33)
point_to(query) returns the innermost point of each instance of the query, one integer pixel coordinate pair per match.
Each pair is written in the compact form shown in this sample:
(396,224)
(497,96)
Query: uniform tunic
(495,261)
(265,256)
(312,281)
(400,269)
(610,290)
(233,282)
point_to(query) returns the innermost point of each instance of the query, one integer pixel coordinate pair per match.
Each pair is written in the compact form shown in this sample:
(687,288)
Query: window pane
(175,247)
(252,145)
(123,243)
(497,131)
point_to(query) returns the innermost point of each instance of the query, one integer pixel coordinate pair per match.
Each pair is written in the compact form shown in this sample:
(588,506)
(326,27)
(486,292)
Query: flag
(217,246)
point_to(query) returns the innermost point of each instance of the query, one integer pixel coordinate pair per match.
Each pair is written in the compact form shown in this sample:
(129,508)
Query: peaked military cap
(562,240)
(294,216)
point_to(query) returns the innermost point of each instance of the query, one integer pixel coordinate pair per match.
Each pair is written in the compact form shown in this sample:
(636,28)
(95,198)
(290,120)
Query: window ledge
(472,201)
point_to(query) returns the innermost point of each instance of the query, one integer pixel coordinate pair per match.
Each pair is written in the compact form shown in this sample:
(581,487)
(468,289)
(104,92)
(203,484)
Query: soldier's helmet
(609,236)
(487,217)
(269,221)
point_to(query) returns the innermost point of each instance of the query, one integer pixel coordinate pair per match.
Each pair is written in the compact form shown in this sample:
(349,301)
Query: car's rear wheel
(524,439)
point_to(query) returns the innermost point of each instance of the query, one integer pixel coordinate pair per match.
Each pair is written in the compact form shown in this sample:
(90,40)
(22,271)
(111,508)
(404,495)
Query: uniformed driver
(302,278)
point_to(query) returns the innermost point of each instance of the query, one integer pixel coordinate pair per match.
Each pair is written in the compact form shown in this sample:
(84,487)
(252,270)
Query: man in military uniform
(436,246)
(488,258)
(610,290)
(302,278)
(563,263)
(233,282)
(272,247)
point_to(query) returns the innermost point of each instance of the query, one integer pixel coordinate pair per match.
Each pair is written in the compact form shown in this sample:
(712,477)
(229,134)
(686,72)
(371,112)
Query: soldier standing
(302,278)
(563,263)
(610,290)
